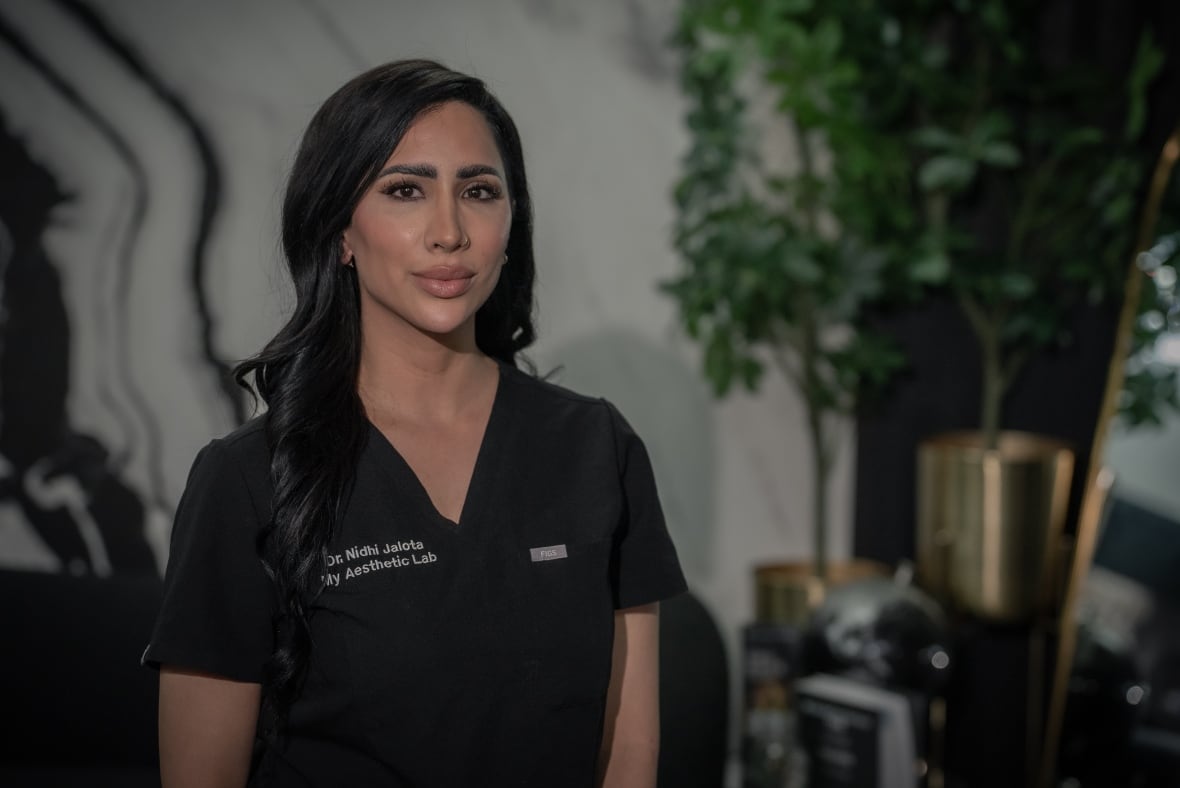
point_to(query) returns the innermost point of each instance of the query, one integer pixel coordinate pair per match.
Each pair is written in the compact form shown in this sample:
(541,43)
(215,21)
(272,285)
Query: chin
(433,317)
(445,324)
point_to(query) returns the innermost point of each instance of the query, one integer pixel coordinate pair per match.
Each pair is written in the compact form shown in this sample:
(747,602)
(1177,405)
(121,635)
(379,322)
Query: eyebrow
(430,171)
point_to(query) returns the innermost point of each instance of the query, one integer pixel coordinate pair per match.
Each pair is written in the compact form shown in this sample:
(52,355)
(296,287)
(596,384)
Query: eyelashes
(402,190)
(488,190)
(408,191)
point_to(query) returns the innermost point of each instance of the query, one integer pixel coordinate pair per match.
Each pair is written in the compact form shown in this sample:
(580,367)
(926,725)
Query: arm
(206,729)
(631,732)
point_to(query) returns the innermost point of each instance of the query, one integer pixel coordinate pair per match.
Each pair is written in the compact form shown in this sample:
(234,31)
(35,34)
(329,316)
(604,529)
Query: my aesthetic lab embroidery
(393,555)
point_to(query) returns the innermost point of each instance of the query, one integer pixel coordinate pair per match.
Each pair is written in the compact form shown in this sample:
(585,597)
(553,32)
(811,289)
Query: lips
(445,281)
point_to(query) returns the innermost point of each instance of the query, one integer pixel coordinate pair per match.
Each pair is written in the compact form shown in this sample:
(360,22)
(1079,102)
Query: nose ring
(466,242)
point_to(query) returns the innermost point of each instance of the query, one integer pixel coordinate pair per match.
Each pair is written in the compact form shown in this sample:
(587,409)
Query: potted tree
(929,145)
(1028,172)
(786,261)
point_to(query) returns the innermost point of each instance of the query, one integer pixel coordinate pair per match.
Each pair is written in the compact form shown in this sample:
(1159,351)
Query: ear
(346,255)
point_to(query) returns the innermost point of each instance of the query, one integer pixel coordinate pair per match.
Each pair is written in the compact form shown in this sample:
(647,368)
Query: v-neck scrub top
(475,653)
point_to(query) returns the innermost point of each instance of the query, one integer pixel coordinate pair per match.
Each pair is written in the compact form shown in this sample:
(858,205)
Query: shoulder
(559,410)
(226,497)
(543,398)
(240,459)
(247,438)
(245,444)
(547,402)
(546,391)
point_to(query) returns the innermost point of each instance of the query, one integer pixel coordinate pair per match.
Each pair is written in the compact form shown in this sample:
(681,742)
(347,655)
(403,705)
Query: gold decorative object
(788,593)
(1098,481)
(990,521)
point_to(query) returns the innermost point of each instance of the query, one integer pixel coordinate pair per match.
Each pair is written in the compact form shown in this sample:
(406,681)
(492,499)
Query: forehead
(451,132)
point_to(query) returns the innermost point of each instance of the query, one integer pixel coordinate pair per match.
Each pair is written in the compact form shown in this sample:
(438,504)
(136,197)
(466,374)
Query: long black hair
(307,375)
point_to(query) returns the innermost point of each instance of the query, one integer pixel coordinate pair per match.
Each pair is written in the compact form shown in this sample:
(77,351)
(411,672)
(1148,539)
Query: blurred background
(144,148)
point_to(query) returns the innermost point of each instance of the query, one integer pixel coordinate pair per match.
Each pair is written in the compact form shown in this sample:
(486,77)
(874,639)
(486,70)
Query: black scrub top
(444,654)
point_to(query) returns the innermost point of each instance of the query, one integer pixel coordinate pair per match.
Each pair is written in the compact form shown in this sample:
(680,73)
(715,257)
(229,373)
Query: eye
(483,191)
(401,190)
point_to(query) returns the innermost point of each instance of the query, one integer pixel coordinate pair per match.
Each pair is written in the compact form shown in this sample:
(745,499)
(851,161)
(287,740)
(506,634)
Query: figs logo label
(551,553)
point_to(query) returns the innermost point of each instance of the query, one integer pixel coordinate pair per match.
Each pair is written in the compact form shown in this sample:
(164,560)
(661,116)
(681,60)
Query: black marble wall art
(104,312)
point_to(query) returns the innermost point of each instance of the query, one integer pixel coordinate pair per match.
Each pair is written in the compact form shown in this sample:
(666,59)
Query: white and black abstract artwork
(104,245)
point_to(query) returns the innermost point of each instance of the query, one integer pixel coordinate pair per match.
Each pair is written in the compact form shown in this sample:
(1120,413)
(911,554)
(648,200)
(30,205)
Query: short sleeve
(218,606)
(645,566)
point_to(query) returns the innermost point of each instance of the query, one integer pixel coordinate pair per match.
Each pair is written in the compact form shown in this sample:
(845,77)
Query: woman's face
(429,236)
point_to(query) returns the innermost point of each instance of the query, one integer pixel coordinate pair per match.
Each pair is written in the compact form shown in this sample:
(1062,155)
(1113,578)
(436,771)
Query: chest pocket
(571,576)
(570,619)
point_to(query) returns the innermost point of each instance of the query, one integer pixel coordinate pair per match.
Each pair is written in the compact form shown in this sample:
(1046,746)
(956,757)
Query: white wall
(1146,463)
(594,92)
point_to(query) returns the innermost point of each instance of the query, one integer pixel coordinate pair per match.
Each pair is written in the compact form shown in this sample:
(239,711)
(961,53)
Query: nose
(445,233)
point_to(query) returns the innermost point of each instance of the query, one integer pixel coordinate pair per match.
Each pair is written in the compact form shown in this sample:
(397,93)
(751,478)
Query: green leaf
(936,138)
(1149,59)
(719,361)
(1000,154)
(995,15)
(946,172)
(802,268)
(827,37)
(751,373)
(1017,285)
(935,56)
(931,268)
(991,127)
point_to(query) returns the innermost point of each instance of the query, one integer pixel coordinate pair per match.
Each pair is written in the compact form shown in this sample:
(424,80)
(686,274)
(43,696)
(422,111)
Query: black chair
(78,708)
(694,696)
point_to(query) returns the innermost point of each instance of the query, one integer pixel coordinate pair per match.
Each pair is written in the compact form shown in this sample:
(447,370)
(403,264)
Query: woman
(421,566)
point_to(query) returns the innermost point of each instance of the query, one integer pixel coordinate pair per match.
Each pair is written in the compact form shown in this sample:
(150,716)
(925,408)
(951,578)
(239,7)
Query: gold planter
(990,521)
(788,593)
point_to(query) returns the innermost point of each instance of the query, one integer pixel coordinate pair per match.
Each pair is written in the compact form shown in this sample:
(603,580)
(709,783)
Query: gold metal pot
(990,521)
(788,593)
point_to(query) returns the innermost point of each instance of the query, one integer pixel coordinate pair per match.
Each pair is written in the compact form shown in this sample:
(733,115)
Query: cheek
(505,230)
(382,236)
(496,273)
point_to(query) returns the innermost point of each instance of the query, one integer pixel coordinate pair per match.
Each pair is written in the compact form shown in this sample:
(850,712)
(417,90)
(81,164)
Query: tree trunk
(993,388)
(819,491)
(819,450)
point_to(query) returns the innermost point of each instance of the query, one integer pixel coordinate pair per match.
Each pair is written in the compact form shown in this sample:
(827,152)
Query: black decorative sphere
(882,631)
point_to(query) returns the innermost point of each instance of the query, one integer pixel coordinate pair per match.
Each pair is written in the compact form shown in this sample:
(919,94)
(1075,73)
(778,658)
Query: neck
(421,377)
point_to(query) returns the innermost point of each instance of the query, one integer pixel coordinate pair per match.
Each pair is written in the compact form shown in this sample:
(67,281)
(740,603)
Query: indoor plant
(1028,171)
(785,264)
(933,144)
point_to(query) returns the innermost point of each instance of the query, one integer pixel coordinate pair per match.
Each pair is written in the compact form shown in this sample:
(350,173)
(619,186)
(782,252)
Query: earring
(350,262)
